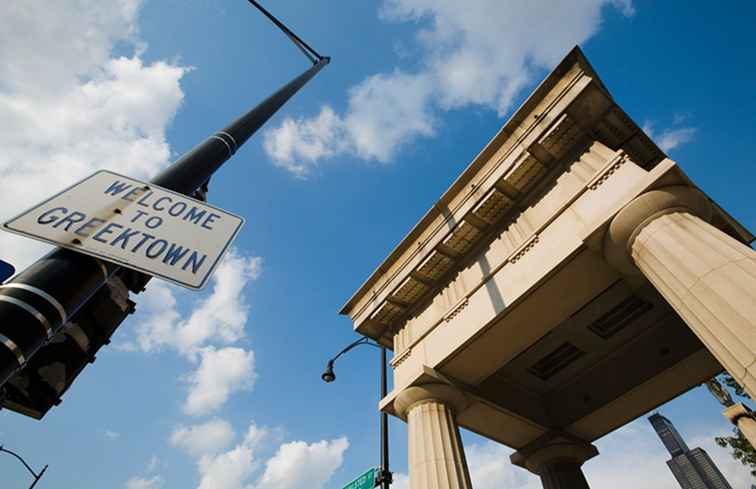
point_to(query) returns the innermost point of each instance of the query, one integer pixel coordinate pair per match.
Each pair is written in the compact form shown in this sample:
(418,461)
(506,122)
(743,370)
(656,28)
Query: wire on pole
(311,54)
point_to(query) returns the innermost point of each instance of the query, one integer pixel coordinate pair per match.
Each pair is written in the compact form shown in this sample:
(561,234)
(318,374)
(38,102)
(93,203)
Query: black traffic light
(39,385)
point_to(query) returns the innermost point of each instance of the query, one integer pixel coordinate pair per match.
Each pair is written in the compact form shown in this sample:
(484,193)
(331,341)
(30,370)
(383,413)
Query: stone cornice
(537,137)
(505,133)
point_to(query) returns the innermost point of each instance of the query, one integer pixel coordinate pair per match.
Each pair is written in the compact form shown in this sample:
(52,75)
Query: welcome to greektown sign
(136,225)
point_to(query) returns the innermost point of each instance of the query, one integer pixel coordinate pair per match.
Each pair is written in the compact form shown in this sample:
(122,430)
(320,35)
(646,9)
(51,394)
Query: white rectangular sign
(136,225)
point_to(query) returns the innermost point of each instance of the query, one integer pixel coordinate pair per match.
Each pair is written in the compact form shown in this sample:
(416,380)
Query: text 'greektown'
(145,212)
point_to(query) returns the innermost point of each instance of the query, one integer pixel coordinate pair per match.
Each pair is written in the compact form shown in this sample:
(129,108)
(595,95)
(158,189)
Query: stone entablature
(570,109)
(514,263)
(529,234)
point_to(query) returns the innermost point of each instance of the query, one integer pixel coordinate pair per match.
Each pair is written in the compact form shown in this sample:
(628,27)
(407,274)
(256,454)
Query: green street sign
(365,481)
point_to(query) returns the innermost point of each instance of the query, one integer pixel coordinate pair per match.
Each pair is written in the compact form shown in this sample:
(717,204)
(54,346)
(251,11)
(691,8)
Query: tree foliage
(740,449)
(727,380)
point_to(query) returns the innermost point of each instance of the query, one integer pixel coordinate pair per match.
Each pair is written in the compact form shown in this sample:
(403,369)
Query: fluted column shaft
(710,280)
(708,277)
(436,455)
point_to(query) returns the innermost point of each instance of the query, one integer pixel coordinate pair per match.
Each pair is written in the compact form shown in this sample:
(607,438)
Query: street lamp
(384,476)
(328,376)
(36,476)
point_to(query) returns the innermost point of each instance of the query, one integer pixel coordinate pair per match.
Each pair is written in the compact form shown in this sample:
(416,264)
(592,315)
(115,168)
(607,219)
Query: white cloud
(224,313)
(400,481)
(295,464)
(228,470)
(671,137)
(153,463)
(385,111)
(297,143)
(111,435)
(299,464)
(219,373)
(69,107)
(219,317)
(231,469)
(490,468)
(158,313)
(479,52)
(680,117)
(203,439)
(155,482)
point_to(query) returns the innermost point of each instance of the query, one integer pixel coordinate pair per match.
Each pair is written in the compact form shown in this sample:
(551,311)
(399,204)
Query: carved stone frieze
(607,172)
(456,309)
(523,249)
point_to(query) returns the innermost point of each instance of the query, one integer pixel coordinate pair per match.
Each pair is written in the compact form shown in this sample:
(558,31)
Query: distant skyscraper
(693,469)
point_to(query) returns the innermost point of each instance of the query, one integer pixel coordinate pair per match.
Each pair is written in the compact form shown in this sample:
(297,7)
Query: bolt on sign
(136,225)
(364,481)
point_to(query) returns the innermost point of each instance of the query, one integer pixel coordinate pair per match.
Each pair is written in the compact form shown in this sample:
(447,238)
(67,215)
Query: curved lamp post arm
(36,476)
(328,375)
(362,341)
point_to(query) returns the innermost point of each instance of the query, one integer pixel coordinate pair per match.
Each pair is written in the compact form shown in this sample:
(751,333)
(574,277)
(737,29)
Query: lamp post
(384,476)
(36,476)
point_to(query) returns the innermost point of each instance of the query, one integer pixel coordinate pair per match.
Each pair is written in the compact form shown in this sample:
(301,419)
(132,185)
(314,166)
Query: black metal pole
(36,303)
(195,167)
(36,476)
(385,472)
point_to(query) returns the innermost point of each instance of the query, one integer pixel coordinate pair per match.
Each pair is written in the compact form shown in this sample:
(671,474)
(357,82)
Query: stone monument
(570,280)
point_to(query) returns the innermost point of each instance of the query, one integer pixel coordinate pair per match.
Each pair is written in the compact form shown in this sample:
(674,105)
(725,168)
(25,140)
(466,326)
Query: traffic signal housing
(40,384)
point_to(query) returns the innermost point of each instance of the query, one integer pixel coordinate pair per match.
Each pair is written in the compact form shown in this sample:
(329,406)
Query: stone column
(436,455)
(742,417)
(556,457)
(708,277)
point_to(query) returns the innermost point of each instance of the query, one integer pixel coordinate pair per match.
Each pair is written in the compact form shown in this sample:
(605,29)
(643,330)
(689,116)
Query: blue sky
(221,389)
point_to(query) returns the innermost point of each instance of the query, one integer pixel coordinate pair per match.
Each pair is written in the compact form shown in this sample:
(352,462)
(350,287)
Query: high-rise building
(693,469)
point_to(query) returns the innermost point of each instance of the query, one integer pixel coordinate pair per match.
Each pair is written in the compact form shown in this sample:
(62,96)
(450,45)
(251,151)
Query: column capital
(640,212)
(742,417)
(737,411)
(441,393)
(552,448)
